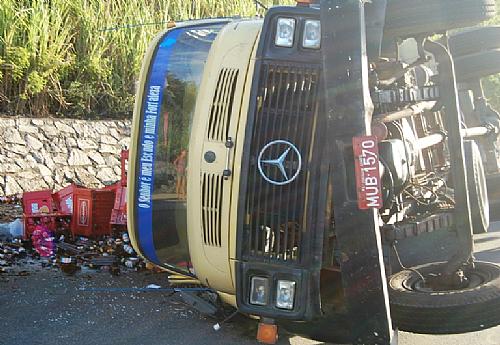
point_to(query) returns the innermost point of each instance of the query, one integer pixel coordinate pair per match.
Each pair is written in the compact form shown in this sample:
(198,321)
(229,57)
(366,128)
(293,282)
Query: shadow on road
(487,246)
(484,240)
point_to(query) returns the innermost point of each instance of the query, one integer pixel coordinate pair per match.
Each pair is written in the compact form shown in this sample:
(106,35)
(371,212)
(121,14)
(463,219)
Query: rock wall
(52,153)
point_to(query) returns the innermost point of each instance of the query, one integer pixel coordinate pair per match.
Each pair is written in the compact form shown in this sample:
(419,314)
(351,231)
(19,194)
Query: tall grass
(82,57)
(492,84)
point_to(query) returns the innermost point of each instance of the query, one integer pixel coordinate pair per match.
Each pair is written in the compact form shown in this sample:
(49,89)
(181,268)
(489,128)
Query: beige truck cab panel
(216,139)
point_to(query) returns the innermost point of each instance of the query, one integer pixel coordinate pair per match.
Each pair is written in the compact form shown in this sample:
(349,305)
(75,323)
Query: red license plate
(367,169)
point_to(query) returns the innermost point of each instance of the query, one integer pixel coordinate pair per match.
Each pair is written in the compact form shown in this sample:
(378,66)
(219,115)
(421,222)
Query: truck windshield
(168,106)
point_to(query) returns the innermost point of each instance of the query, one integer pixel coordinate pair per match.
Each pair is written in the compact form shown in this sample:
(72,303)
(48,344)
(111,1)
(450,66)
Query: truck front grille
(275,225)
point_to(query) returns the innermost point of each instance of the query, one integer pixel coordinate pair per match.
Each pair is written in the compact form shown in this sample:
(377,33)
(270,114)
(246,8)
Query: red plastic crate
(119,213)
(38,202)
(55,222)
(92,212)
(112,187)
(64,198)
(124,166)
(37,207)
(121,199)
(31,222)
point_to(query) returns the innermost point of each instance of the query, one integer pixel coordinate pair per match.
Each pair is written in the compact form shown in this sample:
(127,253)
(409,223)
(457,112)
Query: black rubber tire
(445,312)
(495,210)
(478,189)
(407,18)
(477,66)
(474,40)
(493,183)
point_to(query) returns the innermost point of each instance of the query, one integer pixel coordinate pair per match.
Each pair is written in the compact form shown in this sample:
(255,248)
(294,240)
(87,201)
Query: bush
(81,58)
(491,85)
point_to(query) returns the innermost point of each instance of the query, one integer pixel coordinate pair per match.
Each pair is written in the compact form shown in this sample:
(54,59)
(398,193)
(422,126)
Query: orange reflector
(304,2)
(267,334)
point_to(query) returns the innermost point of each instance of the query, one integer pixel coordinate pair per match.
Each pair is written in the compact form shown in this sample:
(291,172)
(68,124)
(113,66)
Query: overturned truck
(285,162)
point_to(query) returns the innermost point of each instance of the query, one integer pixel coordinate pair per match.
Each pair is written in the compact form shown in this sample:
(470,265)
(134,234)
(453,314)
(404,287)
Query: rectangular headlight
(259,291)
(312,34)
(285,31)
(285,293)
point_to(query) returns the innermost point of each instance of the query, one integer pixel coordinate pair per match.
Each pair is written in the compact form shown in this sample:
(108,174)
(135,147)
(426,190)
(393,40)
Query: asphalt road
(46,307)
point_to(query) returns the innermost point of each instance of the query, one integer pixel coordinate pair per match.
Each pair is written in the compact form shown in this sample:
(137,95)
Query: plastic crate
(92,212)
(37,210)
(38,202)
(119,213)
(64,198)
(124,166)
(48,221)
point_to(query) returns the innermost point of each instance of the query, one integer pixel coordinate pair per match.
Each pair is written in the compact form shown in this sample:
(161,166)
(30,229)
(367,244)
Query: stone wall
(51,153)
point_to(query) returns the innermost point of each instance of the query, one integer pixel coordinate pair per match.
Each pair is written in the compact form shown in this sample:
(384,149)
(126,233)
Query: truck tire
(477,66)
(478,190)
(493,183)
(417,309)
(474,40)
(408,18)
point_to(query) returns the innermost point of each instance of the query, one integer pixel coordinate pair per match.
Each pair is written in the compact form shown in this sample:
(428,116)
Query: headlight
(259,291)
(312,34)
(284,32)
(285,294)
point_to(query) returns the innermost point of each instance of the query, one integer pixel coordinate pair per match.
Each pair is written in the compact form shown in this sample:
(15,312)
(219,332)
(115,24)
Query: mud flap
(348,110)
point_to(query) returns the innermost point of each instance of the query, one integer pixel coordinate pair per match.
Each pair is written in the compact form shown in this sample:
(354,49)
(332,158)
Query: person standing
(180,167)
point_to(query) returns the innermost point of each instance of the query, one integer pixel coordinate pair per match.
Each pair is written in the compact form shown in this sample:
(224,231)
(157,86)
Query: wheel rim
(474,279)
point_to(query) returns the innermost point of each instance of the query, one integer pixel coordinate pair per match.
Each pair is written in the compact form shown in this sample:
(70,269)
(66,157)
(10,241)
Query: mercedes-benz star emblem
(282,155)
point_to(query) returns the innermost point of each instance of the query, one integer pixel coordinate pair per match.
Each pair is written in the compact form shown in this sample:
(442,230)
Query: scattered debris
(69,265)
(16,228)
(12,251)
(10,209)
(153,286)
(43,241)
(111,254)
(72,228)
(13,199)
(107,254)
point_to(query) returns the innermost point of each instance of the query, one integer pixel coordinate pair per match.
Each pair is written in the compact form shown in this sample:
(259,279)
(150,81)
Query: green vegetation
(82,57)
(491,85)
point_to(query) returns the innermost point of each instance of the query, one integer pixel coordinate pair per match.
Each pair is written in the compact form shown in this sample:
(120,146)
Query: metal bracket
(229,145)
(348,111)
(452,123)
